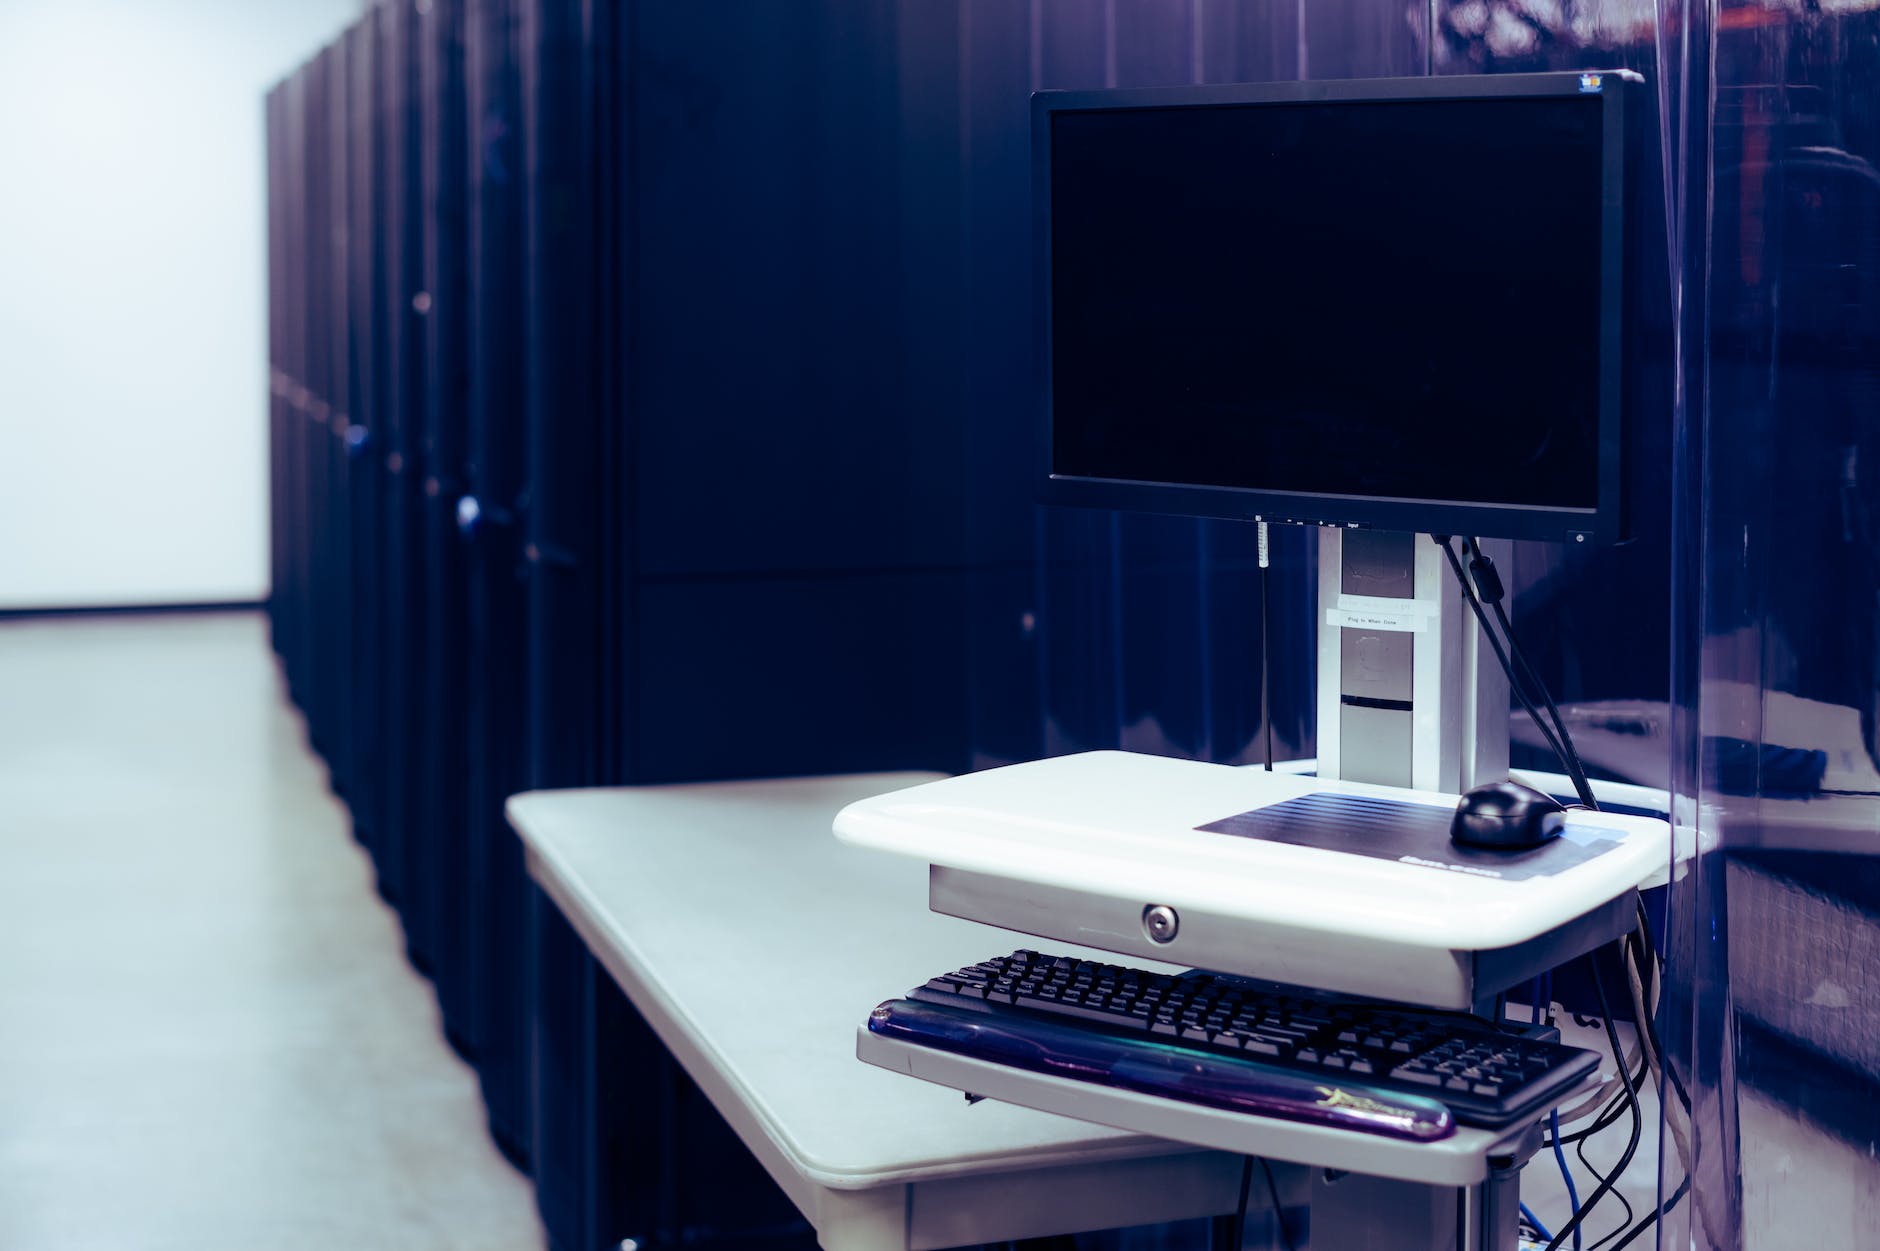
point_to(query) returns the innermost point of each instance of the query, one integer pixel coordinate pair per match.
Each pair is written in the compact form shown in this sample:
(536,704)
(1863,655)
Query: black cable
(1240,1212)
(1648,1030)
(1481,618)
(1645,937)
(1638,1119)
(1494,642)
(1608,1116)
(1266,648)
(1483,567)
(1279,1212)
(1625,1102)
(1651,1217)
(1576,769)
(1266,657)
(1641,953)
(1579,1150)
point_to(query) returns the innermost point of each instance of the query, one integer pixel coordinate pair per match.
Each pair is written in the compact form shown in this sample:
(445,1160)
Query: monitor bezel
(1604,523)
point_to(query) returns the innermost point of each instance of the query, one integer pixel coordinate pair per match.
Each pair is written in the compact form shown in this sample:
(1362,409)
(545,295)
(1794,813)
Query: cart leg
(1356,1213)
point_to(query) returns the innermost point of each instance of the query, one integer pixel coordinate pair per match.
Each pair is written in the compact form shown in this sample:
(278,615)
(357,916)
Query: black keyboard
(1487,1075)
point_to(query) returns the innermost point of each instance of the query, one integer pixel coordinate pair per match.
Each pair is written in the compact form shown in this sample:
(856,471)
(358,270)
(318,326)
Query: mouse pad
(1387,829)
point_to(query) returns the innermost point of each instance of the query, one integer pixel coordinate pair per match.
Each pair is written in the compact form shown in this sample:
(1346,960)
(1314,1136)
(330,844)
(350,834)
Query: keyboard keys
(1485,1074)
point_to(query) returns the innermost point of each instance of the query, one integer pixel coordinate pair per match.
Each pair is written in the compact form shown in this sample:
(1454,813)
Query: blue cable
(1566,1175)
(1544,992)
(1535,1221)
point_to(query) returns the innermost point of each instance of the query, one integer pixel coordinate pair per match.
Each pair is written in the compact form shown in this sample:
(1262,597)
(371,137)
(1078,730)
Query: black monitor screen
(1394,300)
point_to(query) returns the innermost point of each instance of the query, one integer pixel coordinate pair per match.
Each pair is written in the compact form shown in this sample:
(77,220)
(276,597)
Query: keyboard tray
(1240,1029)
(1458,1160)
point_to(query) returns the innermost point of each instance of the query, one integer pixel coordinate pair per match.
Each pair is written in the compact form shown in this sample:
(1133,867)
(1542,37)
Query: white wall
(133,321)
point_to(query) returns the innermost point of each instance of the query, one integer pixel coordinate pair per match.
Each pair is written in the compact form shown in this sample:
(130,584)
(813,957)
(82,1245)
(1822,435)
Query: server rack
(599,1144)
(402,309)
(764,645)
(439,913)
(363,491)
(336,593)
(292,590)
(498,568)
(571,450)
(280,541)
(300,347)
(494,517)
(323,678)
(339,598)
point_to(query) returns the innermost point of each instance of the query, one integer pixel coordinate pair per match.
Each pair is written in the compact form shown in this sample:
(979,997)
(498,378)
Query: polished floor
(209,1035)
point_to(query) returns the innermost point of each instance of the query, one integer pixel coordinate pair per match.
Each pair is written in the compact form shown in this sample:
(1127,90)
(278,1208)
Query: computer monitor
(1387,303)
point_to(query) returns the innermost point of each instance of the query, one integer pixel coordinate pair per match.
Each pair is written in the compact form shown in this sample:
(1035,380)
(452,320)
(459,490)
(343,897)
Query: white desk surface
(1125,825)
(754,944)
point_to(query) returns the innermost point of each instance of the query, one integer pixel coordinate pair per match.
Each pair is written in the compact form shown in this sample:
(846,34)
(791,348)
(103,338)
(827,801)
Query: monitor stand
(1408,693)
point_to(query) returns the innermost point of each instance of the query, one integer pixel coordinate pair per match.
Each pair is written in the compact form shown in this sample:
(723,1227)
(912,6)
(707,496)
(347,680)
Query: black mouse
(1506,816)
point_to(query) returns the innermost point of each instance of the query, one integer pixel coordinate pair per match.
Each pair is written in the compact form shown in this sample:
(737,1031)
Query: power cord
(1489,587)
(1646,971)
(1240,1212)
(1272,1189)
(1489,584)
(1643,972)
(1279,1212)
(1266,645)
(1544,993)
(1608,1180)
(1610,1111)
(1514,683)
(1579,1151)
(1651,1217)
(1640,957)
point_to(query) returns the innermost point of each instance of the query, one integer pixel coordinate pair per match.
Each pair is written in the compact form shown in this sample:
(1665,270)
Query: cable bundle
(1482,588)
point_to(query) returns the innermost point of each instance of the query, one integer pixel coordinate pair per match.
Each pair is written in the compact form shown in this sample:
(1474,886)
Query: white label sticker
(1381,612)
(1407,622)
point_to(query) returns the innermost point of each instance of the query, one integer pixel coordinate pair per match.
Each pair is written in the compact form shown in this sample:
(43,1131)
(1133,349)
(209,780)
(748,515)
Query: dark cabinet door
(573,434)
(438,912)
(357,442)
(402,308)
(494,515)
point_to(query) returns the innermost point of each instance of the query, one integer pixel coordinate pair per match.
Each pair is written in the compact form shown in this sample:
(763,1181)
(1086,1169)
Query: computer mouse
(1506,816)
